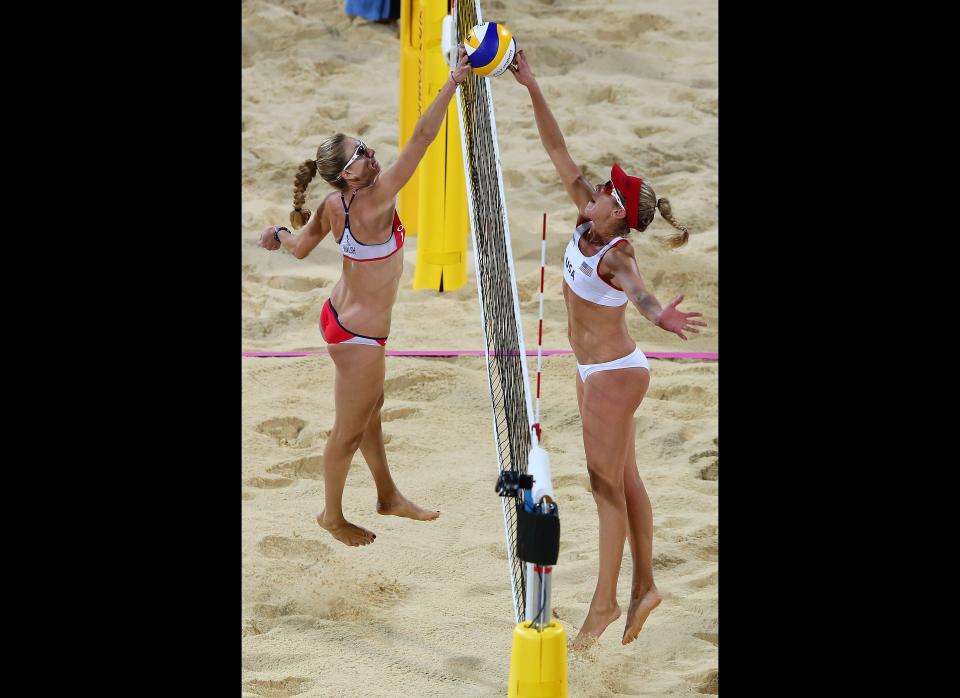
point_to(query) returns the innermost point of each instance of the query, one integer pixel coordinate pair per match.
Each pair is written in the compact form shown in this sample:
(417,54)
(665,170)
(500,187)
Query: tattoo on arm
(647,304)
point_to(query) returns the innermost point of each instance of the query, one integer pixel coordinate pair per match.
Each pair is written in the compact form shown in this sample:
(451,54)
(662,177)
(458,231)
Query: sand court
(426,609)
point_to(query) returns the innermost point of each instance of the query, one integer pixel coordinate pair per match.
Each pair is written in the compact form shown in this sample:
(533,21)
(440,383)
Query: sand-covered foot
(637,614)
(594,625)
(401,506)
(346,532)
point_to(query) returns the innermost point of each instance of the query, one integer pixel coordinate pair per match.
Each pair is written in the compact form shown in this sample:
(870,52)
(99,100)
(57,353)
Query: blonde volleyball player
(355,319)
(601,276)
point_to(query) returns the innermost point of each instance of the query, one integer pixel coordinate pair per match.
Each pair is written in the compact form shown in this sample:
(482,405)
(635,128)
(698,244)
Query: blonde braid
(649,204)
(329,164)
(676,239)
(300,215)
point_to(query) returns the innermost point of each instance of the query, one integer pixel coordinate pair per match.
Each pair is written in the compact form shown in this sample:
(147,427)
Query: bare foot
(401,506)
(594,625)
(346,532)
(638,612)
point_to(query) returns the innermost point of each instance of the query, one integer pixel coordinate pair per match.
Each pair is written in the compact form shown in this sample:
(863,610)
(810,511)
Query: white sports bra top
(580,272)
(361,252)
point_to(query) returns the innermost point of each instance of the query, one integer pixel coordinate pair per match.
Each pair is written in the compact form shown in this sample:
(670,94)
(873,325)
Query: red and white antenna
(543,262)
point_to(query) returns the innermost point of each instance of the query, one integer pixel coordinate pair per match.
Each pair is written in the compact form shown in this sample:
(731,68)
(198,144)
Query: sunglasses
(608,188)
(358,153)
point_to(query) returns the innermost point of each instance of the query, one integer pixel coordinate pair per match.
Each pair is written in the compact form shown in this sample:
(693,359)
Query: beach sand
(426,609)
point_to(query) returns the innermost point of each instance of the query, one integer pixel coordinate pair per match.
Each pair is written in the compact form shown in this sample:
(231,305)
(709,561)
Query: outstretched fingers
(688,321)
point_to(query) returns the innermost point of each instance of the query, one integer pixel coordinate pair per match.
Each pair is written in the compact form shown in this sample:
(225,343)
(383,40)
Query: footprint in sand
(284,430)
(704,550)
(708,105)
(289,686)
(311,435)
(268,661)
(271,611)
(418,385)
(713,638)
(297,283)
(468,667)
(646,131)
(639,23)
(308,468)
(268,483)
(252,628)
(692,394)
(620,685)
(332,601)
(707,683)
(663,561)
(331,67)
(628,29)
(554,58)
(306,549)
(361,600)
(704,580)
(610,94)
(264,617)
(698,369)
(333,112)
(396,413)
(711,471)
(362,127)
(466,662)
(673,522)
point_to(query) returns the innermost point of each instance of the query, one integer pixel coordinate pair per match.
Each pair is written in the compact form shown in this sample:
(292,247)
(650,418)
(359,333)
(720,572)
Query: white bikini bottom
(635,359)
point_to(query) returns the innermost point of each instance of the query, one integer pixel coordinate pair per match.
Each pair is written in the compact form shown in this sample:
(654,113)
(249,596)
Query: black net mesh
(497,291)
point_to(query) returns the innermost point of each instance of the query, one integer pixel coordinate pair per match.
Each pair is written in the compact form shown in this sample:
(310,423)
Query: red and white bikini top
(361,252)
(580,272)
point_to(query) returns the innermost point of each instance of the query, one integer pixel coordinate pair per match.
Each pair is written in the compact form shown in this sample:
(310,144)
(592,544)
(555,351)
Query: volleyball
(490,47)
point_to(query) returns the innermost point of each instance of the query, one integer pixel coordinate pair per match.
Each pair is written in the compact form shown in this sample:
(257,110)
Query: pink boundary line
(479,352)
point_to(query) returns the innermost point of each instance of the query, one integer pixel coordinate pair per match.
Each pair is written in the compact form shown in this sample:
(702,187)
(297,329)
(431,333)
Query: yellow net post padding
(432,205)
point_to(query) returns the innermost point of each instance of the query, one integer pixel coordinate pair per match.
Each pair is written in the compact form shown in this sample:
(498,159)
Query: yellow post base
(538,662)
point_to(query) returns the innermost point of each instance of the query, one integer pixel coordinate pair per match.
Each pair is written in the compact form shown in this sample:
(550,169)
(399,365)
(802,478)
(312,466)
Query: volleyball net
(497,291)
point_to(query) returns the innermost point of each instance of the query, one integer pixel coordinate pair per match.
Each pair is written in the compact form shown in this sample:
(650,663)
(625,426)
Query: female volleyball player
(600,274)
(355,319)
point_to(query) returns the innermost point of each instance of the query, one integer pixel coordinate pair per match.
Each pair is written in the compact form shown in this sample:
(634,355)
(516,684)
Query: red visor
(629,188)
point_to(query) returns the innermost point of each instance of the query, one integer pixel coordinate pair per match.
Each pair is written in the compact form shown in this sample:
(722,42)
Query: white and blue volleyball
(490,47)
